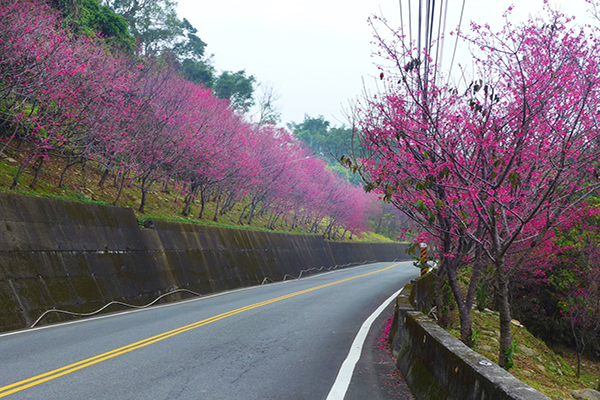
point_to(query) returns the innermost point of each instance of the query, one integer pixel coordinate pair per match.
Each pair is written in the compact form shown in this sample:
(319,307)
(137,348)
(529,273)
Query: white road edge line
(342,381)
(120,313)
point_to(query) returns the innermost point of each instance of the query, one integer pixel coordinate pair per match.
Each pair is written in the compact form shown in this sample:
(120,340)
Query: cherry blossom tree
(488,169)
(72,97)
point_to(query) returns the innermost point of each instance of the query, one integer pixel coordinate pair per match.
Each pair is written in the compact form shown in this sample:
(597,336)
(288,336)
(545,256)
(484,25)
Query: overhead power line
(429,33)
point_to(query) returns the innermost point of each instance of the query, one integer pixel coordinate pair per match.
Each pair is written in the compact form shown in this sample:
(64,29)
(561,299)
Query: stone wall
(438,366)
(78,257)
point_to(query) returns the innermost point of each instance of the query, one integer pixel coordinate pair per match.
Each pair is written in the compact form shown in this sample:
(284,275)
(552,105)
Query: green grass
(535,363)
(81,185)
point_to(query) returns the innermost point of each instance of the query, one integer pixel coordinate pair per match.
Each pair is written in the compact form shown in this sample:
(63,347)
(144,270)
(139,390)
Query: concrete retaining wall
(421,295)
(438,366)
(78,257)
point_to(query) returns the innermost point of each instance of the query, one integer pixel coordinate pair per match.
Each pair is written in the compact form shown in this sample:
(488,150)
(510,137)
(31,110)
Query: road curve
(278,341)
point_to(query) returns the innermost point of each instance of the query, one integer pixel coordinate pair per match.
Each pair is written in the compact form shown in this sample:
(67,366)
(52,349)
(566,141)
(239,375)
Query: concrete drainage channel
(438,366)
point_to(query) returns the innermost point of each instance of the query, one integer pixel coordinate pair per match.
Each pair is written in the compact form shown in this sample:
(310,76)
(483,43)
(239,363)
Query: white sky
(317,54)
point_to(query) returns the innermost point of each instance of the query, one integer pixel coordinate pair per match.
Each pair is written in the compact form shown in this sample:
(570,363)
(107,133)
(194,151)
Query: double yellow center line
(48,376)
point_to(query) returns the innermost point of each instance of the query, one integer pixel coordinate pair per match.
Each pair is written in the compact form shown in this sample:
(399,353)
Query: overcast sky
(317,53)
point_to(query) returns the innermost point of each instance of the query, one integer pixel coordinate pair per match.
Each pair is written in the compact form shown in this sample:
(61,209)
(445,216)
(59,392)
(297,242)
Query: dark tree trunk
(464,312)
(473,284)
(439,298)
(229,203)
(117,179)
(104,177)
(251,214)
(145,187)
(7,143)
(187,205)
(241,219)
(17,176)
(294,220)
(121,184)
(218,202)
(38,171)
(202,203)
(165,188)
(505,354)
(188,201)
(63,175)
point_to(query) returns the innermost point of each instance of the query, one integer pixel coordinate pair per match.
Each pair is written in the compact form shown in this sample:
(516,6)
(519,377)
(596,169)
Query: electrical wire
(441,38)
(456,41)
(410,22)
(98,311)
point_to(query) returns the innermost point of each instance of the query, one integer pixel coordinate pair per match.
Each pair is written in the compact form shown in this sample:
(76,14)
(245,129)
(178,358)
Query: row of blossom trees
(488,171)
(69,96)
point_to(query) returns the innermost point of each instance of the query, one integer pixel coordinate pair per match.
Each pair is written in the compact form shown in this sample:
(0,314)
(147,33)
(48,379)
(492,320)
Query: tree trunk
(104,177)
(202,203)
(505,356)
(121,184)
(464,313)
(63,175)
(188,201)
(217,207)
(440,302)
(38,171)
(241,219)
(473,284)
(315,226)
(251,213)
(229,203)
(187,205)
(7,144)
(146,184)
(17,176)
(165,187)
(117,179)
(293,226)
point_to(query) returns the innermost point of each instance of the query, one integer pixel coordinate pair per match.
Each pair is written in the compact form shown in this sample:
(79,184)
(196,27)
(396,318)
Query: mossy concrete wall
(422,295)
(438,366)
(78,257)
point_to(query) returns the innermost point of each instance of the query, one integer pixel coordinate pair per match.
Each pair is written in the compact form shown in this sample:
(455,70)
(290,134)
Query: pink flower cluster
(74,97)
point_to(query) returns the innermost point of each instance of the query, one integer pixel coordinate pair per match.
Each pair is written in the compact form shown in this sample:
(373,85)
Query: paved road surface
(278,341)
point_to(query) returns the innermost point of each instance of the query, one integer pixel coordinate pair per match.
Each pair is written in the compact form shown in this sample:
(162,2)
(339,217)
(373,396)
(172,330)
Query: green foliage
(321,137)
(236,87)
(332,143)
(509,354)
(192,47)
(158,29)
(200,72)
(89,17)
(312,131)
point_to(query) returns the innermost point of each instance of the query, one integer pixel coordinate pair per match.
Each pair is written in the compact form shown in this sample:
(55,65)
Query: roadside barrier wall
(436,365)
(78,257)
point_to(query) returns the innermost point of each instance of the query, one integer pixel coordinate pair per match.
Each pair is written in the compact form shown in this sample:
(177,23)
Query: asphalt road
(278,341)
